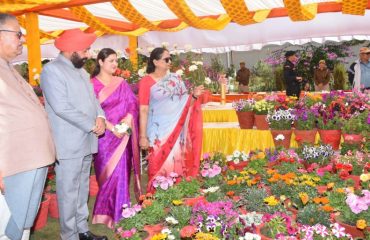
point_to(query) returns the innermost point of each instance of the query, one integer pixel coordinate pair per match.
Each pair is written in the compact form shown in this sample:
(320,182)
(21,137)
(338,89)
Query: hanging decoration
(185,14)
(299,12)
(127,10)
(354,7)
(85,16)
(239,13)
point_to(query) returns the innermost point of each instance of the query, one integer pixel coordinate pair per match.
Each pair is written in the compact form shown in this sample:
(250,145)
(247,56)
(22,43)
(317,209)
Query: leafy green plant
(166,197)
(188,188)
(339,75)
(329,124)
(253,200)
(279,78)
(311,215)
(356,124)
(261,78)
(182,214)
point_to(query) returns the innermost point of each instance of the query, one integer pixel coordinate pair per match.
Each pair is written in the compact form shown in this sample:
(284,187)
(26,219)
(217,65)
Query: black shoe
(90,236)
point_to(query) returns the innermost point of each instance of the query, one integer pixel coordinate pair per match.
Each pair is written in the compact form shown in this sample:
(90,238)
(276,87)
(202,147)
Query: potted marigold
(244,111)
(261,109)
(280,122)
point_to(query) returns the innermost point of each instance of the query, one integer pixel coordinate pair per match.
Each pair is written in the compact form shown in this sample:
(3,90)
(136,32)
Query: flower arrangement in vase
(244,111)
(280,122)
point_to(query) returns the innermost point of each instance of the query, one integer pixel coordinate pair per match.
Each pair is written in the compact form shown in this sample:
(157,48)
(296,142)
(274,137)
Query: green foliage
(182,214)
(311,215)
(166,197)
(261,78)
(330,124)
(286,167)
(356,124)
(308,124)
(329,178)
(258,165)
(340,77)
(213,182)
(216,65)
(279,78)
(215,196)
(276,225)
(253,200)
(188,188)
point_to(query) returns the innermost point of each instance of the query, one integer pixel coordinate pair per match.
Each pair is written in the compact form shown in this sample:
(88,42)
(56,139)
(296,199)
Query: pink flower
(338,231)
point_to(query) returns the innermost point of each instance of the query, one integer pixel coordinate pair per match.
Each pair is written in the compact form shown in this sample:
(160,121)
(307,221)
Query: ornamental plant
(357,124)
(317,154)
(321,232)
(263,107)
(237,157)
(280,119)
(244,105)
(312,214)
(278,225)
(304,118)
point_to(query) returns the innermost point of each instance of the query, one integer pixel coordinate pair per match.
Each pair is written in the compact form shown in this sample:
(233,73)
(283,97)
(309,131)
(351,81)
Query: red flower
(188,231)
(343,175)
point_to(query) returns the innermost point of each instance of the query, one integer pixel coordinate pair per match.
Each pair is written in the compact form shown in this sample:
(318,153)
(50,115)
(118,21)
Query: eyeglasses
(167,59)
(18,33)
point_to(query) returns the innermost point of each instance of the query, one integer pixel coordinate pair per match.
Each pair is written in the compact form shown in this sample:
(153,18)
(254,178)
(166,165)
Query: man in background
(26,144)
(362,70)
(292,81)
(321,77)
(242,77)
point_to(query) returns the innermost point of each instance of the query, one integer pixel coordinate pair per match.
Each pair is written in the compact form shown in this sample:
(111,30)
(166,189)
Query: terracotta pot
(282,143)
(240,166)
(152,230)
(192,201)
(94,187)
(331,137)
(305,136)
(246,119)
(260,122)
(42,215)
(352,138)
(53,206)
(204,98)
(353,230)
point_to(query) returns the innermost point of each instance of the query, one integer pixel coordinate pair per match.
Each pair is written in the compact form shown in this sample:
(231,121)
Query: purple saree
(116,156)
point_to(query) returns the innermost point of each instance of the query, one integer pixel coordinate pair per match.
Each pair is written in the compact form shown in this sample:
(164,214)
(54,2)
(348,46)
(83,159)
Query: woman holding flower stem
(118,150)
(170,120)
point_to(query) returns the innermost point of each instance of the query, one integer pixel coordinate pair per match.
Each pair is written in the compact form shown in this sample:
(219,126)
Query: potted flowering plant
(354,127)
(281,126)
(238,160)
(261,108)
(316,156)
(277,226)
(244,111)
(354,213)
(305,124)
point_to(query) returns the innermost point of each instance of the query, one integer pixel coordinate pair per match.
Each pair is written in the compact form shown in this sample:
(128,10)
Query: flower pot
(352,138)
(94,187)
(152,230)
(53,206)
(237,166)
(331,137)
(246,119)
(353,230)
(305,136)
(204,98)
(42,215)
(260,122)
(276,134)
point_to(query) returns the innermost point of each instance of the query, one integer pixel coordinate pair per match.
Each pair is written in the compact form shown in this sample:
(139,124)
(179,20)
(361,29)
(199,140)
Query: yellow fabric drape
(85,16)
(127,10)
(354,7)
(239,13)
(185,14)
(227,140)
(299,12)
(220,116)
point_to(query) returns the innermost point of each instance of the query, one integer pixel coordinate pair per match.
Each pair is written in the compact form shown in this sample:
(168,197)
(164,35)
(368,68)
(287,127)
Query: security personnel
(292,82)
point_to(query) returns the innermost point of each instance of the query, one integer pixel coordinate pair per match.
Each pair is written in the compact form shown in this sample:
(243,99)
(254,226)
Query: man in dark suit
(292,81)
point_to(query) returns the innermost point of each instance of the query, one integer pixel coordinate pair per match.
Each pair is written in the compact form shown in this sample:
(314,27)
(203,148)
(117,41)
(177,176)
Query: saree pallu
(116,156)
(174,130)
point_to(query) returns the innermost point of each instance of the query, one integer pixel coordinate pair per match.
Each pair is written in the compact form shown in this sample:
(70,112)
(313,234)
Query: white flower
(211,189)
(165,44)
(36,76)
(280,137)
(171,220)
(250,236)
(229,158)
(150,49)
(171,237)
(192,68)
(166,231)
(122,127)
(199,63)
(187,47)
(236,153)
(34,70)
(141,72)
(180,72)
(236,160)
(207,80)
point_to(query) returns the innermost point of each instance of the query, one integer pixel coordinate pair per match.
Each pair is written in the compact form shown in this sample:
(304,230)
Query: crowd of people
(82,123)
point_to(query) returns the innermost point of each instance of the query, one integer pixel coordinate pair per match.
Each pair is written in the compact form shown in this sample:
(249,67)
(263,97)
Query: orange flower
(327,208)
(231,182)
(324,200)
(142,198)
(340,190)
(317,200)
(361,224)
(304,197)
(271,171)
(330,185)
(230,193)
(147,203)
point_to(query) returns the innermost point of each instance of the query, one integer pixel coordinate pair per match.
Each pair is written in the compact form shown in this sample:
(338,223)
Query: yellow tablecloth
(214,112)
(227,137)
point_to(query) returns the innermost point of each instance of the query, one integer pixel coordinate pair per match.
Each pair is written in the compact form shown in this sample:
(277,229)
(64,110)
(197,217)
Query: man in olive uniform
(292,81)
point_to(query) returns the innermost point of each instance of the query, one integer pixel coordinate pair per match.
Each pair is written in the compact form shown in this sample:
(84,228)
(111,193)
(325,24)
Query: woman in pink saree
(118,153)
(170,120)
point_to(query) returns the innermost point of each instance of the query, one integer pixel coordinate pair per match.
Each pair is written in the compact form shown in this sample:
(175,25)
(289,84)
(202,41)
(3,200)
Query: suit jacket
(72,108)
(25,135)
